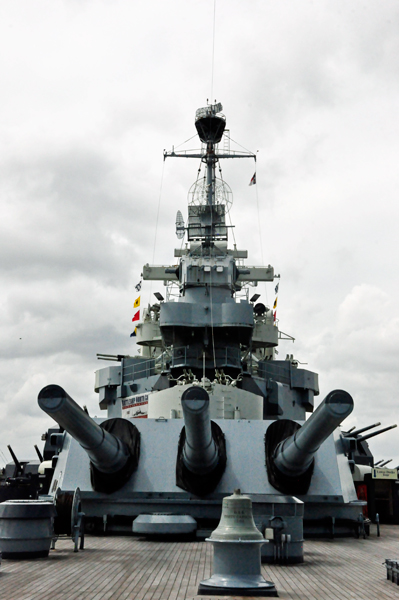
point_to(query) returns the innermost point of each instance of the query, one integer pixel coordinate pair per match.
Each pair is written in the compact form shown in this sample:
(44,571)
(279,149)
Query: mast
(208,224)
(207,328)
(210,124)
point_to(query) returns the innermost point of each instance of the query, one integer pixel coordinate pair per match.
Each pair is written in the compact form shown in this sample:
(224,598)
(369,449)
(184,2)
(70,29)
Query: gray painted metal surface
(209,332)
(26,528)
(154,482)
(159,524)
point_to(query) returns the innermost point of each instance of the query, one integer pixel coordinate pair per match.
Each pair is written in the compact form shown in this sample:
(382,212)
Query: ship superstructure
(210,331)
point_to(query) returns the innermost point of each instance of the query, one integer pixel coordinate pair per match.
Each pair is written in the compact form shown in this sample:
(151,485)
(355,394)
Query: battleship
(207,406)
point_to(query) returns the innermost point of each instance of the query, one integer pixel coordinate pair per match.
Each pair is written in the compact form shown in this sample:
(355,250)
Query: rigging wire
(3,456)
(241,146)
(260,237)
(213,47)
(157,218)
(156,224)
(189,139)
(196,181)
(210,289)
(231,222)
(212,334)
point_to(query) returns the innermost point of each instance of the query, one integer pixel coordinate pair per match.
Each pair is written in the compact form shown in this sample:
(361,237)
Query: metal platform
(122,568)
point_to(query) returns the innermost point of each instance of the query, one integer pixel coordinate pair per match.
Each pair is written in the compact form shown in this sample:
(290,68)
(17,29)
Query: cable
(241,146)
(3,456)
(260,237)
(210,273)
(156,224)
(213,46)
(211,299)
(189,139)
(231,223)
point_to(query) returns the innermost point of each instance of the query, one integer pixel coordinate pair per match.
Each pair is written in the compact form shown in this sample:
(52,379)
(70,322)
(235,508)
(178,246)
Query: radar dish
(197,194)
(180,229)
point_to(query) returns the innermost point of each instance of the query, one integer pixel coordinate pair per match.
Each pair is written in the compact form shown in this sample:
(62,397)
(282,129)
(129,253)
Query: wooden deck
(122,568)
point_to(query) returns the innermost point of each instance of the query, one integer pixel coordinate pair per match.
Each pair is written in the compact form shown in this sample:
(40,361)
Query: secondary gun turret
(290,448)
(358,450)
(201,456)
(113,446)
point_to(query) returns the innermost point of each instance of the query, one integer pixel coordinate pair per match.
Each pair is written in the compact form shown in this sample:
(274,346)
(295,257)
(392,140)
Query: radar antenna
(180,229)
(197,194)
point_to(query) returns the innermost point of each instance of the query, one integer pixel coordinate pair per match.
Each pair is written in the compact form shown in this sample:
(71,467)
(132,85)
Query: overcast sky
(93,91)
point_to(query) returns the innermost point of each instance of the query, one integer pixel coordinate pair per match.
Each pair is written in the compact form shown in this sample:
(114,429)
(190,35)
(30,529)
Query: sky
(94,91)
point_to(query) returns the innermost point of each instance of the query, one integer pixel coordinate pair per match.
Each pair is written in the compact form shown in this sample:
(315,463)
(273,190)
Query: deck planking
(130,568)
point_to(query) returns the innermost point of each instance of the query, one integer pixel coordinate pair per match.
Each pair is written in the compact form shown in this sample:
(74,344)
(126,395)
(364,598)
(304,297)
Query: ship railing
(184,357)
(140,368)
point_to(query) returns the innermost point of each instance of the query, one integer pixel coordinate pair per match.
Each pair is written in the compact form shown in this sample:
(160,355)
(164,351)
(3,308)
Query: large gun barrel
(200,453)
(201,456)
(105,450)
(294,455)
(113,457)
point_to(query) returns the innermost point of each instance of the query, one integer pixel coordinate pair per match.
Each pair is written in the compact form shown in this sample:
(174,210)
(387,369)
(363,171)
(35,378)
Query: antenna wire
(213,47)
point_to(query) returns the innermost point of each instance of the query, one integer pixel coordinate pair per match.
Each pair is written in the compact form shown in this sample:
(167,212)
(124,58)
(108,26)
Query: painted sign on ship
(135,407)
(384,473)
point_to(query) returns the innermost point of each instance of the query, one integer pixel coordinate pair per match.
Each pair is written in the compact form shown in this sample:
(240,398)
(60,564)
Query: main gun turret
(113,446)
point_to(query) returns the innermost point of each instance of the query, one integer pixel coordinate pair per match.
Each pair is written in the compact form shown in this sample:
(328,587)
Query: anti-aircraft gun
(20,479)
